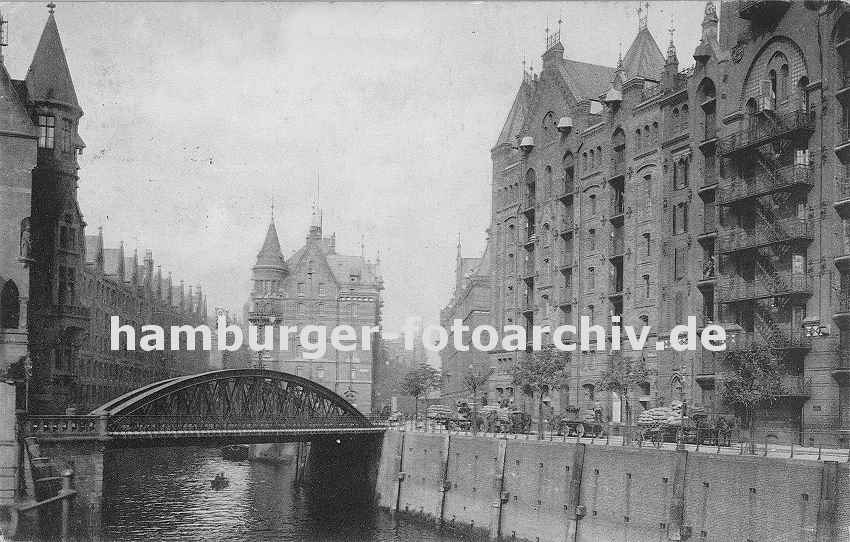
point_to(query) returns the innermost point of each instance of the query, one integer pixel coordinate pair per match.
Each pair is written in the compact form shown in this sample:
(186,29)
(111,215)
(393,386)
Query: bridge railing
(61,426)
(178,424)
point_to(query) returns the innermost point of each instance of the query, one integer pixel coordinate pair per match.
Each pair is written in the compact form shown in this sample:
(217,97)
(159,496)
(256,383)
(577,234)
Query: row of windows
(47,133)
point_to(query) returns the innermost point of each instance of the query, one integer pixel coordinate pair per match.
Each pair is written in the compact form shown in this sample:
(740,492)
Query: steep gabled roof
(516,116)
(92,248)
(49,78)
(13,114)
(112,261)
(585,80)
(483,269)
(644,58)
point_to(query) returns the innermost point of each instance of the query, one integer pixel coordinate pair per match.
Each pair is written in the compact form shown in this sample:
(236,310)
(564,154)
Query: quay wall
(544,491)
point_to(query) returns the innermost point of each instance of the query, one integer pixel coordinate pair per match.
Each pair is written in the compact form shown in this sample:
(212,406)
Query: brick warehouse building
(318,286)
(470,303)
(655,192)
(60,286)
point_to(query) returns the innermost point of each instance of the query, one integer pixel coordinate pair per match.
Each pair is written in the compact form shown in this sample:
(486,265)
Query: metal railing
(763,130)
(781,338)
(618,164)
(735,238)
(765,183)
(810,444)
(735,288)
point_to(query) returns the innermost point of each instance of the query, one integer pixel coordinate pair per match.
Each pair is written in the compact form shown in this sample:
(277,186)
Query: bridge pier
(342,469)
(85,458)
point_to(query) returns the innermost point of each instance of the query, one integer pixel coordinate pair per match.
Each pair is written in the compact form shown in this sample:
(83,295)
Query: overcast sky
(196,115)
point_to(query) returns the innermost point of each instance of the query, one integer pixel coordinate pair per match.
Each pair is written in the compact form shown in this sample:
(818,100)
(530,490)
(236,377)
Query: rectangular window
(679,263)
(646,286)
(647,239)
(46,131)
(321,289)
(591,278)
(67,136)
(591,240)
(301,289)
(593,205)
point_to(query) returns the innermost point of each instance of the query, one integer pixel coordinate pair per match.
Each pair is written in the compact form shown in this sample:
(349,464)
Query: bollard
(792,449)
(66,492)
(698,439)
(718,441)
(608,434)
(820,445)
(765,444)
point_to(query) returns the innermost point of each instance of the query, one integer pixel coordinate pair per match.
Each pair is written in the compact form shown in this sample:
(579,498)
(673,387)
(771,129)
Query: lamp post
(680,436)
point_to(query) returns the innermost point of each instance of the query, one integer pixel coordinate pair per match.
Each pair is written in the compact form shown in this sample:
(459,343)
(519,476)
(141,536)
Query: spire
(270,256)
(671,49)
(49,78)
(643,16)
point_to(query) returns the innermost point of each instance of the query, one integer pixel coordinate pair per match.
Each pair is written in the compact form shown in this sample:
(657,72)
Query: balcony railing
(565,189)
(796,386)
(764,183)
(618,165)
(734,239)
(735,288)
(843,361)
(843,305)
(615,286)
(709,219)
(763,130)
(780,339)
(618,204)
(617,246)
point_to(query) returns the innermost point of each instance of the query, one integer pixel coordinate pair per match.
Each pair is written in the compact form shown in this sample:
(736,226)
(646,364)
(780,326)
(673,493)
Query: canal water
(165,494)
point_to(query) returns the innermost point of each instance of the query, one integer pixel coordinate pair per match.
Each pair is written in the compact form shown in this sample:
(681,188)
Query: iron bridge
(227,406)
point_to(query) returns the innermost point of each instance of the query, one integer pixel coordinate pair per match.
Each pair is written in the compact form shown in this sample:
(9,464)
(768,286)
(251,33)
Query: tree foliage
(539,373)
(754,380)
(624,373)
(621,375)
(475,379)
(419,381)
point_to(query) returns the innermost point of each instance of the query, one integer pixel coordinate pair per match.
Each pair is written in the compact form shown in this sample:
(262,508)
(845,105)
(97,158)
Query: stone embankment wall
(552,491)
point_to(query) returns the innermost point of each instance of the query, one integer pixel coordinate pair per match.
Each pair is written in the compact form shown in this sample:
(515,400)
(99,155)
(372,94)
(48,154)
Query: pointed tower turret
(708,44)
(50,91)
(671,65)
(268,273)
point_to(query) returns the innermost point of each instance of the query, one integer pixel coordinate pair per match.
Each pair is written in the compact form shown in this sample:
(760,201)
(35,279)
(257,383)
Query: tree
(541,372)
(418,382)
(621,375)
(475,379)
(755,379)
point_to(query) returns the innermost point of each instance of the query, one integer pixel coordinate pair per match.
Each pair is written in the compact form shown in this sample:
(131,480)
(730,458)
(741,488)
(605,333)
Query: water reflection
(165,494)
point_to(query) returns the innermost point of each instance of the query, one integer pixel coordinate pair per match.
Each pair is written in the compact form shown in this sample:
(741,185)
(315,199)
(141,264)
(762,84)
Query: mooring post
(67,491)
(445,483)
(676,529)
(574,509)
(826,519)
(498,487)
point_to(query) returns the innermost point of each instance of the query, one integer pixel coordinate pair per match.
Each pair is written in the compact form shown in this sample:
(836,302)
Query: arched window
(654,134)
(592,159)
(646,137)
(684,118)
(773,83)
(584,161)
(638,139)
(599,155)
(10,306)
(783,82)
